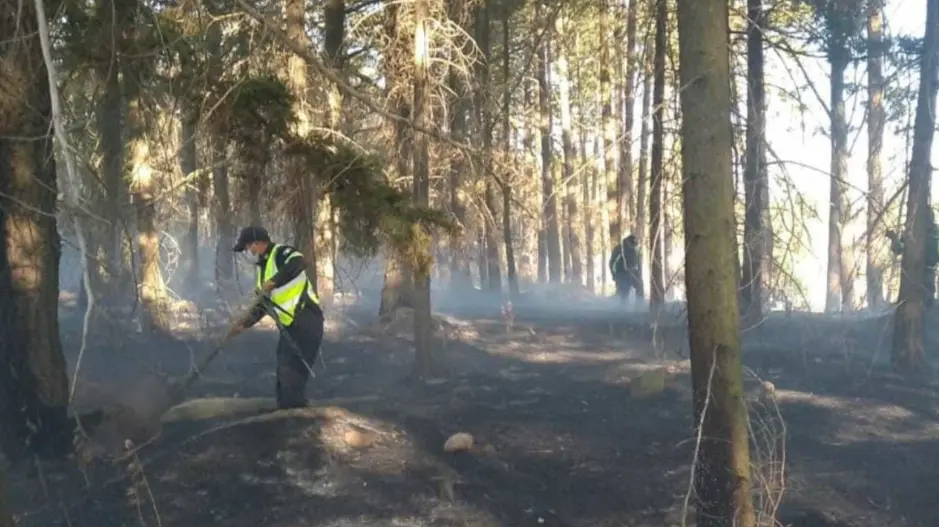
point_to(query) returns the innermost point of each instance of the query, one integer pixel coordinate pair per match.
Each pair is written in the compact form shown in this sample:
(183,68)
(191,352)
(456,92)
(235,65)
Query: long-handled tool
(137,416)
(271,308)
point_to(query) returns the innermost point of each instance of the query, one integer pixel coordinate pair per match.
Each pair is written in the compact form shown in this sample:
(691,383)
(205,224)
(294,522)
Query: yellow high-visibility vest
(287,297)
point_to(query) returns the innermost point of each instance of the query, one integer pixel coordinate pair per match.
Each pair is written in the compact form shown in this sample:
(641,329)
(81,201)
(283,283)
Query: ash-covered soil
(578,420)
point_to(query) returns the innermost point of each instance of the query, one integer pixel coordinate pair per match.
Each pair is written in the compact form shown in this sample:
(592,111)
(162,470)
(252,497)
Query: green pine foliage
(372,212)
(256,114)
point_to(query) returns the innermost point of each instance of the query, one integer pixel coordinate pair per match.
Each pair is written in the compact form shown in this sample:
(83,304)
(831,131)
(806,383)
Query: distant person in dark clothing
(624,266)
(932,254)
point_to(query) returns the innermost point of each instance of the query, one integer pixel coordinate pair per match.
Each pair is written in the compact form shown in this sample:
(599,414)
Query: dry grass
(767,455)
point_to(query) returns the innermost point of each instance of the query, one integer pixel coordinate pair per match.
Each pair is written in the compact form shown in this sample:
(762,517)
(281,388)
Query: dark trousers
(296,351)
(627,282)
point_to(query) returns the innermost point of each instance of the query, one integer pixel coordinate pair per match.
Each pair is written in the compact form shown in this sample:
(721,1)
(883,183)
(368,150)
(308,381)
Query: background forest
(464,154)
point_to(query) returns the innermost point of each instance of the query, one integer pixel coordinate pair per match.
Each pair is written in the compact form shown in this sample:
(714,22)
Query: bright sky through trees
(801,144)
(811,148)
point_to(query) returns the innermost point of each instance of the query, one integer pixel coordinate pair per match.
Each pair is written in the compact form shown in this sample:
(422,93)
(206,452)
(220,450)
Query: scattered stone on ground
(459,442)
(573,425)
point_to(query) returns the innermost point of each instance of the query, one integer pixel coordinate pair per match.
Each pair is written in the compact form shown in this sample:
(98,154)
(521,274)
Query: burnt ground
(564,436)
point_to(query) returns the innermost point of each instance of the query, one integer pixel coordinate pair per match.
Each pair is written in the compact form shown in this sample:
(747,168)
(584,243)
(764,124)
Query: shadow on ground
(560,442)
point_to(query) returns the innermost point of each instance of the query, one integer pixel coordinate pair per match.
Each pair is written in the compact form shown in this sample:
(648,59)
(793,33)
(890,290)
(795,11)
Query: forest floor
(570,428)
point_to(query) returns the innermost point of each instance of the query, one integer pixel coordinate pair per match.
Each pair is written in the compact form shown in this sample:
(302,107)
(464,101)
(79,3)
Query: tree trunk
(493,258)
(567,144)
(598,202)
(657,239)
(325,243)
(460,277)
(565,225)
(301,199)
(722,475)
(334,37)
(537,271)
(482,261)
(108,112)
(507,237)
(877,251)
(253,178)
(222,213)
(643,206)
(754,179)
(668,229)
(424,357)
(511,270)
(552,233)
(188,163)
(153,297)
(909,322)
(627,196)
(610,183)
(397,289)
(33,383)
(221,186)
(484,127)
(840,284)
(585,182)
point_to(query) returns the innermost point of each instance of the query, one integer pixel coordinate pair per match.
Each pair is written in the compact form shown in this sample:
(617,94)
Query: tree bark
(537,265)
(188,163)
(754,178)
(656,226)
(303,194)
(722,476)
(423,350)
(153,297)
(877,251)
(642,194)
(324,235)
(460,276)
(397,287)
(222,213)
(221,187)
(627,206)
(586,182)
(567,144)
(109,122)
(484,127)
(252,177)
(334,38)
(33,383)
(552,235)
(610,150)
(840,279)
(909,322)
(507,237)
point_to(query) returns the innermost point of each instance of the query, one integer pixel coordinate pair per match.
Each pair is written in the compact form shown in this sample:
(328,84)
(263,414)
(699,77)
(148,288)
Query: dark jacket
(624,258)
(932,241)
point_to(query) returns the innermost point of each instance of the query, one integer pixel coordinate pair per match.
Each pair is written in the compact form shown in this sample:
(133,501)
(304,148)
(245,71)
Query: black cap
(250,235)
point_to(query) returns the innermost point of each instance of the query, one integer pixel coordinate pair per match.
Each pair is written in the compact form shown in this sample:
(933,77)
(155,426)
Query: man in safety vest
(286,292)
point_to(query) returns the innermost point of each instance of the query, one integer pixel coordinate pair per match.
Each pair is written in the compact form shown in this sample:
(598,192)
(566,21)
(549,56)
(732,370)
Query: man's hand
(267,287)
